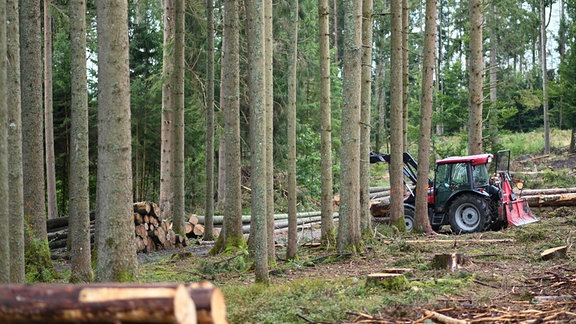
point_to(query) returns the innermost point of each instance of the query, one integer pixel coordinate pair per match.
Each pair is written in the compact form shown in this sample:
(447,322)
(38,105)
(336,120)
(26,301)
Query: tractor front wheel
(468,214)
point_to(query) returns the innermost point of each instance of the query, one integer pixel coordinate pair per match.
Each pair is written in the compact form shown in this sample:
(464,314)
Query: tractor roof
(473,159)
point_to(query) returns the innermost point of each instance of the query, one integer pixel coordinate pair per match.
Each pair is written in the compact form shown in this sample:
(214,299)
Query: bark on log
(554,200)
(61,222)
(111,303)
(554,191)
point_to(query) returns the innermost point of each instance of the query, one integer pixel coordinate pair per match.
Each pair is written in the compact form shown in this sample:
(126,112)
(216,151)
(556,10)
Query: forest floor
(503,278)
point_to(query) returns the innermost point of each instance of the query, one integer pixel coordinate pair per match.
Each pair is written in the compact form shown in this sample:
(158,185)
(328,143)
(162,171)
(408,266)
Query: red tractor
(464,195)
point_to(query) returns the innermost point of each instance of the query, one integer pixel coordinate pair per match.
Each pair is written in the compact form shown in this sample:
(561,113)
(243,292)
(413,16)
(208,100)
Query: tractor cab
(458,174)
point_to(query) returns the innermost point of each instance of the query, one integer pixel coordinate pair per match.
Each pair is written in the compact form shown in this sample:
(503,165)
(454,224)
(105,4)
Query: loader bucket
(518,212)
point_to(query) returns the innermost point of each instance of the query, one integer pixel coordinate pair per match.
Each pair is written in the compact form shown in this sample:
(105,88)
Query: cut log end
(558,252)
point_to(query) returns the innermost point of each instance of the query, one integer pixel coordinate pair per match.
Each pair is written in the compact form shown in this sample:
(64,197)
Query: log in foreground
(112,303)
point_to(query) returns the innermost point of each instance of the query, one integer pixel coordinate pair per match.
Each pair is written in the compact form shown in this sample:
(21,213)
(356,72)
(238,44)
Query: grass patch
(324,300)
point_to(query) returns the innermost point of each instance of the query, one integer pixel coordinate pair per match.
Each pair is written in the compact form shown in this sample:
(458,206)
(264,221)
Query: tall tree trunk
(396,138)
(493,118)
(366,106)
(179,212)
(114,215)
(257,92)
(349,221)
(48,119)
(544,76)
(167,127)
(439,110)
(422,222)
(15,177)
(336,26)
(476,69)
(4,190)
(269,104)
(291,127)
(230,104)
(209,202)
(79,209)
(327,226)
(405,34)
(33,142)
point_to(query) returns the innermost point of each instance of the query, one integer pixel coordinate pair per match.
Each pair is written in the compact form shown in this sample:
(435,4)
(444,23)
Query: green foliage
(238,263)
(39,266)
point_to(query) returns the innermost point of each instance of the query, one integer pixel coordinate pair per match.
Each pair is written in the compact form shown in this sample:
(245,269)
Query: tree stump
(450,262)
(388,281)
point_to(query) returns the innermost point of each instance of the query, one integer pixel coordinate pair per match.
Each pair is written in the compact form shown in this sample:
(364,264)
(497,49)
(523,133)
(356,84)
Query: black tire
(469,213)
(409,217)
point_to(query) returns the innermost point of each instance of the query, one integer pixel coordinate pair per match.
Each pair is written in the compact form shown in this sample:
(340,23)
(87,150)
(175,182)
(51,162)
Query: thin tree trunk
(269,104)
(178,208)
(15,177)
(493,119)
(48,118)
(4,190)
(167,126)
(396,138)
(422,223)
(327,227)
(365,127)
(349,237)
(257,92)
(291,128)
(209,202)
(544,76)
(405,34)
(335,26)
(39,261)
(114,216)
(476,69)
(79,209)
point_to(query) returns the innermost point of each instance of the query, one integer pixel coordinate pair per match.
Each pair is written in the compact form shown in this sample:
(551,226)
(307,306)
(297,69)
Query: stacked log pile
(280,220)
(195,229)
(112,303)
(152,233)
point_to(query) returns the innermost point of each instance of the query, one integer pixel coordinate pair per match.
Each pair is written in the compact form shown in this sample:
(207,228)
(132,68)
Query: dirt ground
(510,281)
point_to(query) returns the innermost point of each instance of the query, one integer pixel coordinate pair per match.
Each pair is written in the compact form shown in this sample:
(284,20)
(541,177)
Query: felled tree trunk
(112,303)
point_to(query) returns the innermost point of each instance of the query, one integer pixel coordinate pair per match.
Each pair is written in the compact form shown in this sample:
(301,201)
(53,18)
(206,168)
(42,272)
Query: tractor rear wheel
(469,213)
(409,216)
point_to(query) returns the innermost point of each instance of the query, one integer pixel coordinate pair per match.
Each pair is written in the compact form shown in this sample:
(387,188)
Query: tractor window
(481,177)
(442,175)
(459,174)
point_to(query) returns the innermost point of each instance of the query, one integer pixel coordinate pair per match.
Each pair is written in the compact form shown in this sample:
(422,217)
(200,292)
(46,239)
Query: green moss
(39,267)
(125,276)
(328,240)
(230,245)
